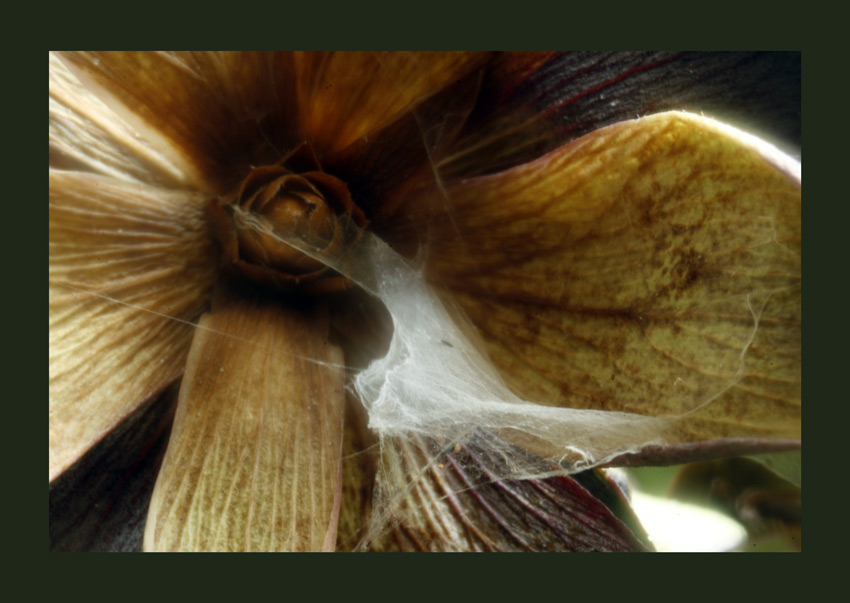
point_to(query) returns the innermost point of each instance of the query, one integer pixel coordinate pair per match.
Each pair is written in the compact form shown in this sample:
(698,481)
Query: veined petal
(651,267)
(380,169)
(218,112)
(87,135)
(343,96)
(450,501)
(358,477)
(255,453)
(130,265)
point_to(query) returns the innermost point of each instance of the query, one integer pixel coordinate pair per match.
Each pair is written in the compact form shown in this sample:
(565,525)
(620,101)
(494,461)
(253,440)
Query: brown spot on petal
(651,267)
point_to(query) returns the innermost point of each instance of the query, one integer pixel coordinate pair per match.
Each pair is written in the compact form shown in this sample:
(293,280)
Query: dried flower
(648,267)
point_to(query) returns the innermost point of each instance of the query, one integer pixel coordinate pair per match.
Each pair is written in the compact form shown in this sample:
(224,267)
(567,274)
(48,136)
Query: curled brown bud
(293,200)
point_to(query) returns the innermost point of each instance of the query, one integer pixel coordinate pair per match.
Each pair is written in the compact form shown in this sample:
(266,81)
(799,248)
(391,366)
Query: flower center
(283,206)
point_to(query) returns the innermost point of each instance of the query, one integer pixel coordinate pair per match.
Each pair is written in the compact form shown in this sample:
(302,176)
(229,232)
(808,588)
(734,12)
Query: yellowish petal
(87,135)
(345,95)
(129,266)
(358,477)
(651,267)
(214,112)
(255,454)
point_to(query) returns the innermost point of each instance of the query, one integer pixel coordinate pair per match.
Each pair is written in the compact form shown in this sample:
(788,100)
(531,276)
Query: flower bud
(293,200)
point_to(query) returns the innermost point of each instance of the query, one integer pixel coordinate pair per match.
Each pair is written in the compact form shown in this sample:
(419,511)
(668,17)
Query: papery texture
(343,96)
(456,500)
(651,267)
(255,454)
(86,135)
(214,112)
(221,112)
(358,477)
(129,268)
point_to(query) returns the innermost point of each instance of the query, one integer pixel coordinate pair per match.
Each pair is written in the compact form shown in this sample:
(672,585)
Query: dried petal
(129,268)
(454,501)
(87,135)
(254,459)
(651,267)
(358,477)
(218,112)
(343,96)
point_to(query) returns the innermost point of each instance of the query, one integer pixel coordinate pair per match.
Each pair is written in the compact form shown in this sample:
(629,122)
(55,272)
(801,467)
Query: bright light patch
(675,526)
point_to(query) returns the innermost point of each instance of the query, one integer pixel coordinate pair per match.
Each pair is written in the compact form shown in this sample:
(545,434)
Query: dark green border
(449,24)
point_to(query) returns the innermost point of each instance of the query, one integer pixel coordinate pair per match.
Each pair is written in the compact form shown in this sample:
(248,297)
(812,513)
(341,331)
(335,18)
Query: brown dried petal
(456,502)
(254,459)
(130,268)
